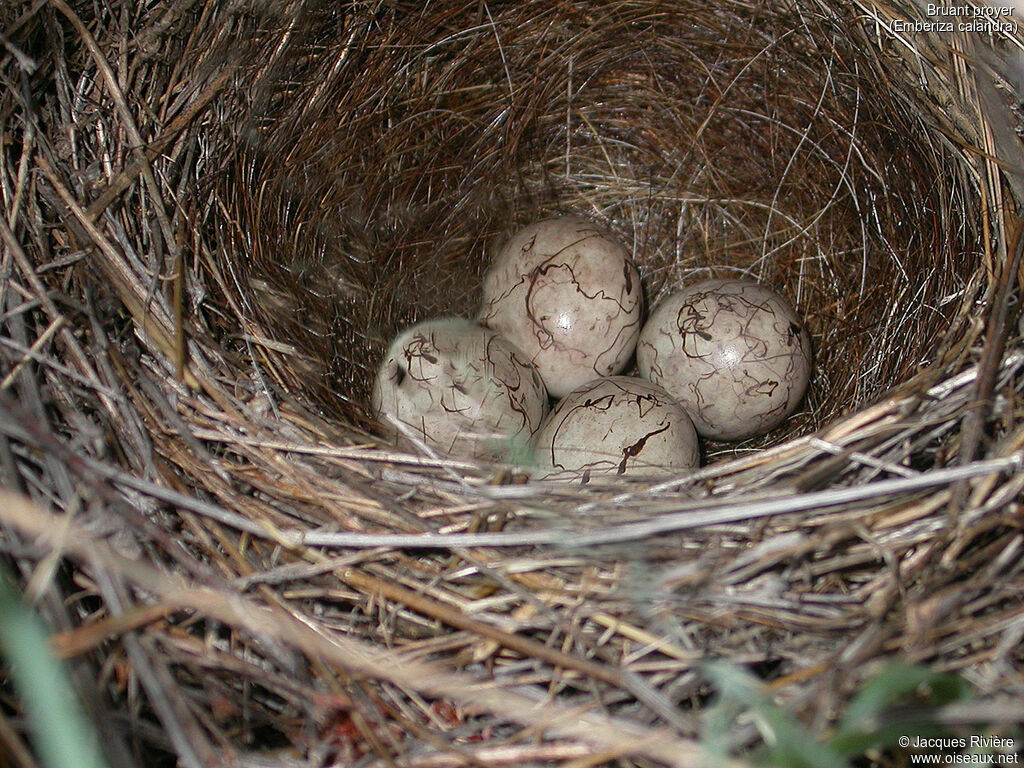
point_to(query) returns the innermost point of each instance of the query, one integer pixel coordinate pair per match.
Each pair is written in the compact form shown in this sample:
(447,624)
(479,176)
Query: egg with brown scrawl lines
(616,425)
(734,353)
(566,292)
(461,388)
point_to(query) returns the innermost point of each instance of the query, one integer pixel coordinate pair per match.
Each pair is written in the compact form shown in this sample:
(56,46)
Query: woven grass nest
(215,216)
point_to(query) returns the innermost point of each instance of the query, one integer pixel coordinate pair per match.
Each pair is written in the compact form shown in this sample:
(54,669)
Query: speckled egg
(567,293)
(734,354)
(617,425)
(461,388)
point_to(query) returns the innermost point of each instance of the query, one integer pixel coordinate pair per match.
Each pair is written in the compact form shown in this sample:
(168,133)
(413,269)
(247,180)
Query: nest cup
(371,190)
(217,215)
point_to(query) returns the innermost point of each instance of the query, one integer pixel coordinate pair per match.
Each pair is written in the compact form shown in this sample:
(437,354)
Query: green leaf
(734,683)
(790,745)
(787,743)
(865,724)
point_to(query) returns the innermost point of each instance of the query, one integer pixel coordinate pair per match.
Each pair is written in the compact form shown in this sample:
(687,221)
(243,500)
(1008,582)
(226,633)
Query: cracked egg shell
(461,388)
(617,425)
(567,293)
(734,354)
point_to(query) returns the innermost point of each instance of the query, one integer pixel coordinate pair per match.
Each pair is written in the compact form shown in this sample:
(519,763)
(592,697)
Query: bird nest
(216,215)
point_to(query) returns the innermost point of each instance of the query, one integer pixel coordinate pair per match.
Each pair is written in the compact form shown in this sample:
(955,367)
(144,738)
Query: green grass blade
(61,733)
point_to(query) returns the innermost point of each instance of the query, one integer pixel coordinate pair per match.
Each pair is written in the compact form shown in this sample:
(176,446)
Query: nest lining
(713,145)
(191,351)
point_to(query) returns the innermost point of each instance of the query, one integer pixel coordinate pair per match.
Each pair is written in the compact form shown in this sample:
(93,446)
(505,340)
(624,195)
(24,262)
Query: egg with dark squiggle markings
(617,425)
(568,294)
(461,388)
(734,353)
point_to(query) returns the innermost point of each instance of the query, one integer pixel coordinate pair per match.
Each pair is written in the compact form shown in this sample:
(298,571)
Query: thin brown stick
(512,754)
(74,642)
(996,330)
(14,746)
(127,176)
(151,318)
